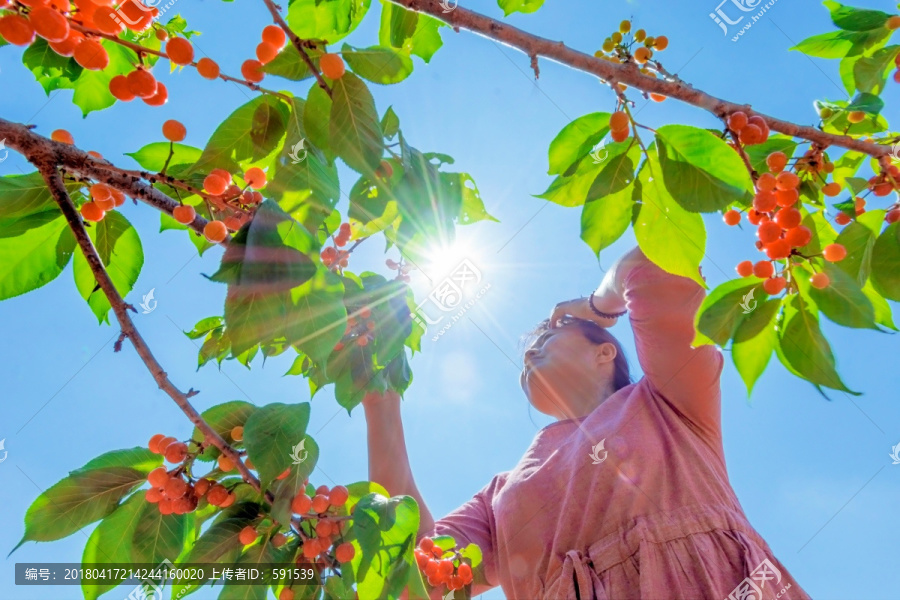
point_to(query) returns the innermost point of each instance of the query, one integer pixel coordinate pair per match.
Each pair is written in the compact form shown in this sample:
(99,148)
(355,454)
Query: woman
(627,495)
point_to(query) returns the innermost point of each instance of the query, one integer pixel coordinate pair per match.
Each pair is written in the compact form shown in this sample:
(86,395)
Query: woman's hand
(580,308)
(608,297)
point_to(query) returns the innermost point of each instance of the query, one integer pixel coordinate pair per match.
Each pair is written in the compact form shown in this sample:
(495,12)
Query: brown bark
(627,73)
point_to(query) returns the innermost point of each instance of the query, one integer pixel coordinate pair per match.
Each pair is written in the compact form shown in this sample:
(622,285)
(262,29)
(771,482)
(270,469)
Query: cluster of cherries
(779,230)
(358,330)
(442,567)
(617,49)
(68,30)
(175,492)
(402,269)
(231,204)
(749,130)
(331,256)
(172,490)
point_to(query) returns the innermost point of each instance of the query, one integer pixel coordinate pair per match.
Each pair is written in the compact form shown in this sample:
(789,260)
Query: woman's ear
(606,352)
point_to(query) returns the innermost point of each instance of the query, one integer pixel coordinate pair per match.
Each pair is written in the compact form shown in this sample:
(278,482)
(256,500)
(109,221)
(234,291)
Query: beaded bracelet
(600,313)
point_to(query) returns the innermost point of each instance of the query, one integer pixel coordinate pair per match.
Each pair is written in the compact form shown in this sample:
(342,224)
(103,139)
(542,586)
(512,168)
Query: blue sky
(814,477)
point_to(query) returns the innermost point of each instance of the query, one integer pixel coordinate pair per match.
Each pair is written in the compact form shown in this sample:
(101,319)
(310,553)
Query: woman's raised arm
(388,458)
(661,307)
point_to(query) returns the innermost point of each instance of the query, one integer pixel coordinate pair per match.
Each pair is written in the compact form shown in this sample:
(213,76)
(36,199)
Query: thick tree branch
(46,163)
(298,44)
(627,73)
(31,145)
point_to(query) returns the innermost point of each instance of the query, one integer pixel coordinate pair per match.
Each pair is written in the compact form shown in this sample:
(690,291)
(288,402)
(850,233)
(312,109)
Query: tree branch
(627,73)
(298,44)
(46,163)
(31,145)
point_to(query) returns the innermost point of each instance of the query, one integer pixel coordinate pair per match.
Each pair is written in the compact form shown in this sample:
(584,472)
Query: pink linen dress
(650,514)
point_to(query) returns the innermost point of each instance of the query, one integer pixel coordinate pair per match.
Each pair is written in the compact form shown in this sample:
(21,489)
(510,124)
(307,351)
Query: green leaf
(883,314)
(248,134)
(575,141)
(223,418)
(51,70)
(261,265)
(159,537)
(289,64)
(354,127)
(858,238)
(152,157)
(33,257)
(78,500)
(702,172)
(414,33)
(218,544)
(315,119)
(110,542)
(332,20)
(139,458)
(885,274)
(754,340)
(24,196)
(378,64)
(573,190)
(462,187)
(843,300)
(304,185)
(522,6)
(119,247)
(804,346)
(271,433)
(871,72)
(385,531)
(822,233)
(204,326)
(669,236)
(724,308)
(390,123)
(757,153)
(846,166)
(607,213)
(855,19)
(838,44)
(92,87)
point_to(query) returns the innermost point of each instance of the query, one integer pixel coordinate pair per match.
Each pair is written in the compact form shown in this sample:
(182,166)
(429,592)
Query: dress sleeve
(662,307)
(474,523)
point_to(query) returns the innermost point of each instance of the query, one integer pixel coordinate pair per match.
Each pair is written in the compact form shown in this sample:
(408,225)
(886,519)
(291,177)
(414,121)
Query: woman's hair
(596,334)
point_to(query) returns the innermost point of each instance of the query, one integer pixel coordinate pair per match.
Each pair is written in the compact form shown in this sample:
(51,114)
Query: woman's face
(562,368)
